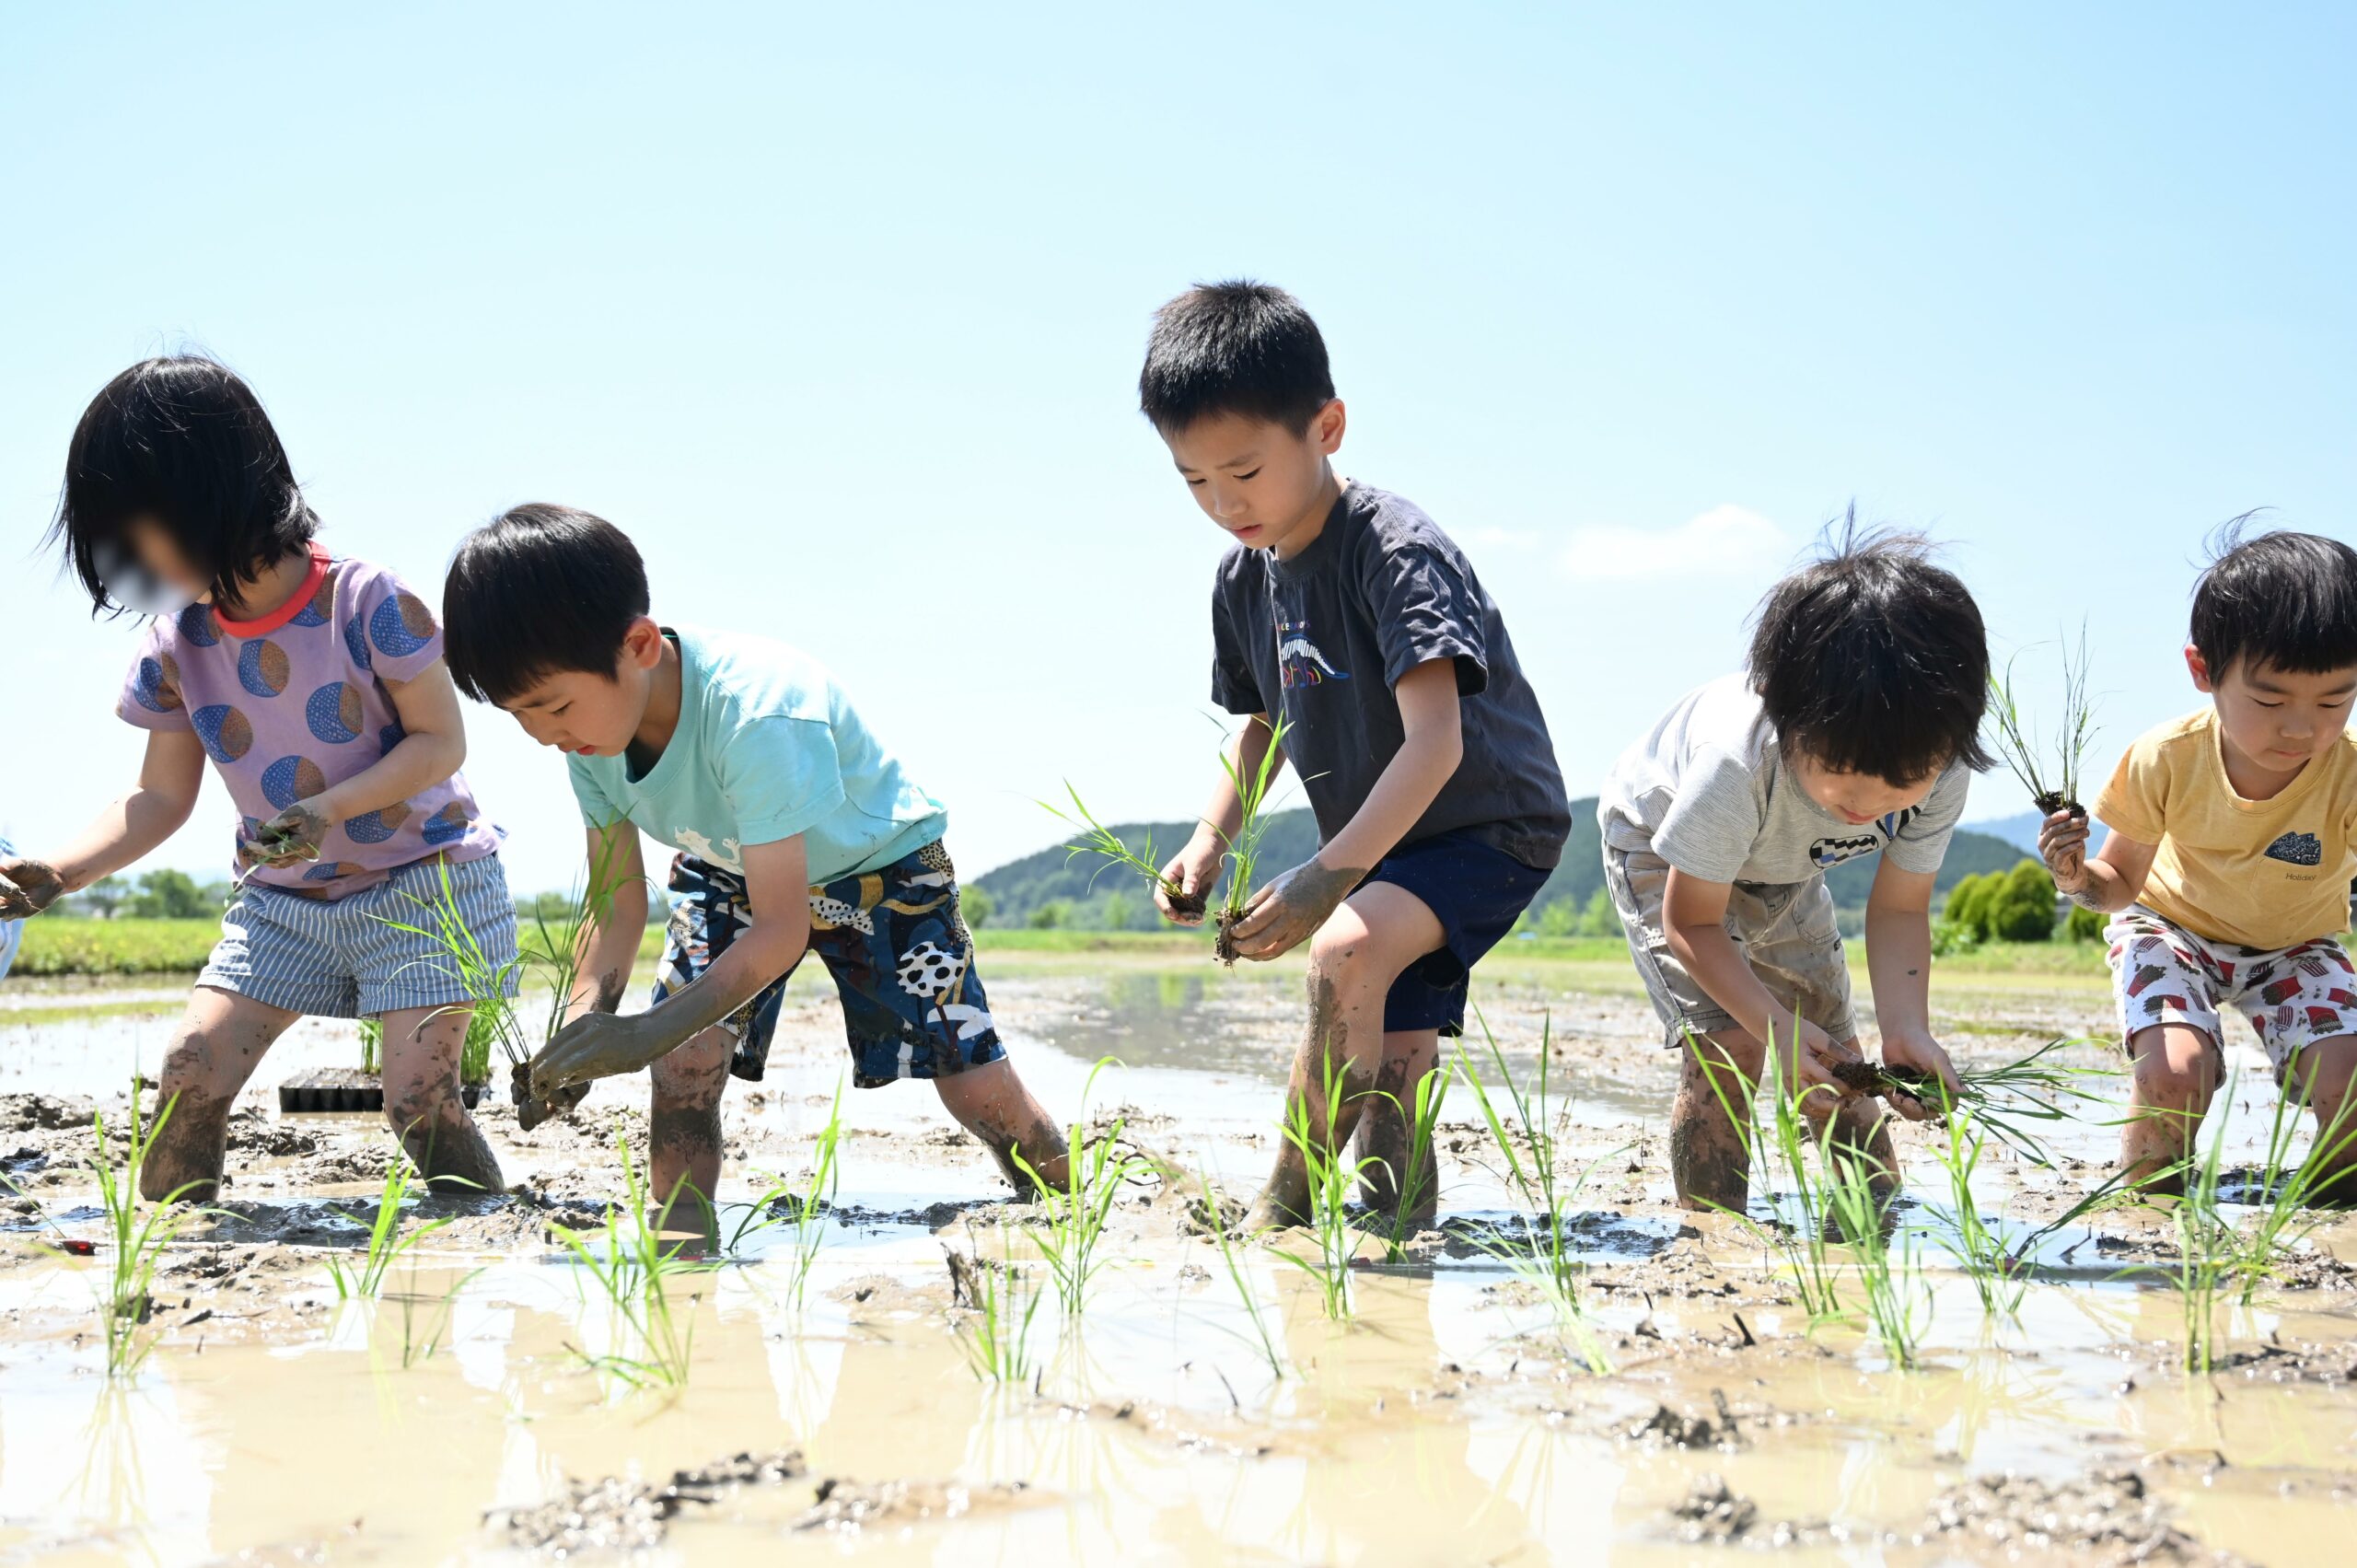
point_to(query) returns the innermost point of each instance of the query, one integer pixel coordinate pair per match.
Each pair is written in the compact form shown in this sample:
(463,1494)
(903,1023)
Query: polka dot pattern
(262,669)
(401,626)
(291,779)
(376,826)
(333,713)
(227,734)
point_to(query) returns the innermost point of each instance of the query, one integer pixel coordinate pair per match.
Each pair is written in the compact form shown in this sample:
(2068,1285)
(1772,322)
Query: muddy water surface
(1453,1420)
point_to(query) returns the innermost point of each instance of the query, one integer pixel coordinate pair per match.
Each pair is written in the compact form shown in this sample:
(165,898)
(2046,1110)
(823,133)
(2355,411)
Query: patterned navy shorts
(900,956)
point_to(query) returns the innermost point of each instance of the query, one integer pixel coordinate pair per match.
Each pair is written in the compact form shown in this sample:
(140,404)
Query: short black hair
(182,440)
(1872,660)
(1234,348)
(537,591)
(2280,598)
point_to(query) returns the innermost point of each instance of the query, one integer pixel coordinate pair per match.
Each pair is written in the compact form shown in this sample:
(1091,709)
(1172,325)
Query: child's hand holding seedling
(28,886)
(599,1045)
(1919,1053)
(1191,873)
(293,836)
(1288,911)
(2062,844)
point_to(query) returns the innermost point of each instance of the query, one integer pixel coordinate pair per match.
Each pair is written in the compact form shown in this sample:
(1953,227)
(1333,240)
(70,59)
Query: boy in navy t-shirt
(1345,612)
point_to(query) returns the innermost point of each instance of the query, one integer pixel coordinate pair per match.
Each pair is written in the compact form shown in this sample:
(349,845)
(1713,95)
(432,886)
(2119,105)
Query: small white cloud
(1724,542)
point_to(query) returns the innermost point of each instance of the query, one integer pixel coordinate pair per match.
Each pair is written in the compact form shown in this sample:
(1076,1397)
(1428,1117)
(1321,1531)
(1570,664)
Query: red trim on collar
(291,609)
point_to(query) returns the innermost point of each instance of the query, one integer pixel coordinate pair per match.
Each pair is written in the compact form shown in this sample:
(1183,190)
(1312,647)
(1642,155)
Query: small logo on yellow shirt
(2297,849)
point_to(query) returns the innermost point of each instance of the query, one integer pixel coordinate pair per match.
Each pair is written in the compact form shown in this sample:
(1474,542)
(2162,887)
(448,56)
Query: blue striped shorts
(349,958)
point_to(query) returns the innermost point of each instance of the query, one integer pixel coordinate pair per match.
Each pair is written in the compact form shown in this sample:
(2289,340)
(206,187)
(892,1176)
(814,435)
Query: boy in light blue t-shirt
(798,832)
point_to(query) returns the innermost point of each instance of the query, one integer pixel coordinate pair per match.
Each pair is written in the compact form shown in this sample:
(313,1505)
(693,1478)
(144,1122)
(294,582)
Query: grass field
(179,946)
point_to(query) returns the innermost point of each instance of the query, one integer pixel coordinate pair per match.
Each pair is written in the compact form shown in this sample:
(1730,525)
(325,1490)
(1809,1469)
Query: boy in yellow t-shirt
(2228,865)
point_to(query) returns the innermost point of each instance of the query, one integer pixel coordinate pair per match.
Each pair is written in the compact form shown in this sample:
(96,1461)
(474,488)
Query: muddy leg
(2327,1073)
(221,1040)
(2175,1070)
(683,1132)
(1709,1157)
(1353,958)
(1386,1129)
(992,1103)
(422,1101)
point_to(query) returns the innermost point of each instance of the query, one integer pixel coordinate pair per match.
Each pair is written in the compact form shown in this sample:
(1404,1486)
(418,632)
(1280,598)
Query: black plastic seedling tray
(347,1091)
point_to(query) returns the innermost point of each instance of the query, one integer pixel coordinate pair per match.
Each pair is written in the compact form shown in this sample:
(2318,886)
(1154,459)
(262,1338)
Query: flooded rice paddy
(1453,1419)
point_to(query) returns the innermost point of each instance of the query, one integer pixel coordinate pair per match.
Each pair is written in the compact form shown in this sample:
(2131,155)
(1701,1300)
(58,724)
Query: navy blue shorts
(1478,892)
(892,939)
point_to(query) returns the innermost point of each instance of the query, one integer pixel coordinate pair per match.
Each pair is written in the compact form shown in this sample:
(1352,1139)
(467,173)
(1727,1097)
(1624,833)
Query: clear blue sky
(838,315)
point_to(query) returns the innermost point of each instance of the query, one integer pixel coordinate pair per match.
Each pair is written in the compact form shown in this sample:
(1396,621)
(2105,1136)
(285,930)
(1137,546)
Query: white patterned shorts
(2162,973)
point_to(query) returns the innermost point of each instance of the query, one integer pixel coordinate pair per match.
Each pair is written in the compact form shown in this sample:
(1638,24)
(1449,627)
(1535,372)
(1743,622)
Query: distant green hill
(1052,887)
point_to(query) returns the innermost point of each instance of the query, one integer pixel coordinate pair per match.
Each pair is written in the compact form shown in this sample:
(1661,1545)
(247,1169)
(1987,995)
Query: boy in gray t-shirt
(1855,728)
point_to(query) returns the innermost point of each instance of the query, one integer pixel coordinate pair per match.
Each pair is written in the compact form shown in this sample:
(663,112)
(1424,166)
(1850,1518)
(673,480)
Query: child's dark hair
(1872,660)
(1238,347)
(183,441)
(2280,598)
(537,591)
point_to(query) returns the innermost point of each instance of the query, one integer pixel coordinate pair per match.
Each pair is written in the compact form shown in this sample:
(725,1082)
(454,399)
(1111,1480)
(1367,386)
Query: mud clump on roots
(2053,800)
(1224,944)
(530,1112)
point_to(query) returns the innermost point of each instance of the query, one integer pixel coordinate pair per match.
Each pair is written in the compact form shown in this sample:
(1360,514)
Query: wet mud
(462,1416)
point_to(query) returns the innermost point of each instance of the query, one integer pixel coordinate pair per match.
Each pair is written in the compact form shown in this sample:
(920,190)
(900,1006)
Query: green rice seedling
(1898,1301)
(135,1241)
(365,1278)
(999,1301)
(1423,1175)
(1800,1240)
(553,951)
(1264,1337)
(634,1270)
(1242,857)
(2049,767)
(372,1046)
(1333,1178)
(2290,1192)
(2208,1250)
(425,1319)
(1978,1247)
(805,1206)
(1095,838)
(1547,1260)
(1096,1170)
(2004,1098)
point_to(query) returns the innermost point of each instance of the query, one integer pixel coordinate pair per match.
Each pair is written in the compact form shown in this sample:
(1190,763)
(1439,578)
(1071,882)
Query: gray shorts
(1785,932)
(349,959)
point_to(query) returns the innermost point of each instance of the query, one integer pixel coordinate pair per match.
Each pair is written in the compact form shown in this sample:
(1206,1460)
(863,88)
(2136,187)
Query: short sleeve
(151,691)
(1234,686)
(2136,801)
(780,776)
(1922,841)
(1710,828)
(388,629)
(1425,607)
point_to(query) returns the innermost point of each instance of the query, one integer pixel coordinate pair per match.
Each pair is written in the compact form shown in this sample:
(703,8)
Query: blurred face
(2275,721)
(589,714)
(1857,799)
(1267,486)
(147,570)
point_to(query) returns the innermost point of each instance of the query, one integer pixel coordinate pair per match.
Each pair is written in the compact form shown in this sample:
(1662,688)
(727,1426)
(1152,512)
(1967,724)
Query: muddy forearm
(734,978)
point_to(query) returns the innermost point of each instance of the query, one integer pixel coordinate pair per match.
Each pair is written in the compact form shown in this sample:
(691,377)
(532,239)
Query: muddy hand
(1193,871)
(1811,1056)
(26,887)
(1924,1054)
(598,1046)
(2062,844)
(1288,911)
(291,836)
